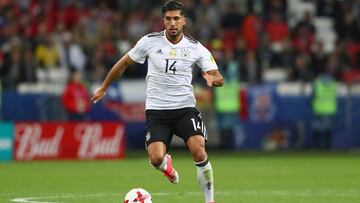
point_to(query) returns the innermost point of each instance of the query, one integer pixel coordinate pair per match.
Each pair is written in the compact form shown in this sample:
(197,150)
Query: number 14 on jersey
(171,67)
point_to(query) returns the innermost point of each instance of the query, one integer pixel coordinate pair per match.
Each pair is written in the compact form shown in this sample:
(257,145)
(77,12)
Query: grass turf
(239,178)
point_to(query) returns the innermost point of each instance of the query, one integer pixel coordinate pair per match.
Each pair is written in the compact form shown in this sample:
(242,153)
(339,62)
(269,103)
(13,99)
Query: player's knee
(156,159)
(199,155)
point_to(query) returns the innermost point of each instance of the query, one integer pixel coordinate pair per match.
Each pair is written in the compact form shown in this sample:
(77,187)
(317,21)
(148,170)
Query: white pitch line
(31,199)
(69,196)
(282,193)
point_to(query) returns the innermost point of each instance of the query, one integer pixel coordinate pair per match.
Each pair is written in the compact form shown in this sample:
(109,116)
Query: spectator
(338,61)
(318,58)
(303,39)
(288,55)
(301,70)
(96,66)
(278,6)
(325,7)
(227,103)
(306,22)
(11,68)
(240,56)
(347,28)
(75,98)
(207,20)
(137,25)
(47,54)
(17,65)
(278,32)
(304,31)
(252,68)
(264,52)
(28,67)
(230,25)
(72,54)
(251,30)
(69,15)
(276,28)
(324,106)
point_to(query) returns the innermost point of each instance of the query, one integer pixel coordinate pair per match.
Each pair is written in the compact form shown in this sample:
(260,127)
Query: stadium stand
(99,32)
(283,42)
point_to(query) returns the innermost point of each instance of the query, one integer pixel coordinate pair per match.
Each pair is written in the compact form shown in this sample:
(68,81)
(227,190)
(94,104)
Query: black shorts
(161,125)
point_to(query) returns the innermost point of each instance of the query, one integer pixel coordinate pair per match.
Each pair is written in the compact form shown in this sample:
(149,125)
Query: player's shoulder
(155,34)
(191,39)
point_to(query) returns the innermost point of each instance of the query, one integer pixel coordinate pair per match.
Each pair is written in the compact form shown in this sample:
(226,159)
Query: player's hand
(209,78)
(213,78)
(98,94)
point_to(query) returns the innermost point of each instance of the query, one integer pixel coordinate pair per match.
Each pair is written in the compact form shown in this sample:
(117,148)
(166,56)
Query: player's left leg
(196,145)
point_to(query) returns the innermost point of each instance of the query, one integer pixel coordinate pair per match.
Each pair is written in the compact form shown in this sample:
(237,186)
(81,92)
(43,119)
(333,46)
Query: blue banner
(6,141)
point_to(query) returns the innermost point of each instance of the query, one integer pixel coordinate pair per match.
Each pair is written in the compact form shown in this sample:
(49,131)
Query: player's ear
(185,20)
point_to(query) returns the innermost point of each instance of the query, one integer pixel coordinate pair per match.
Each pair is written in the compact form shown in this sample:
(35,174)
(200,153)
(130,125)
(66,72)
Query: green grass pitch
(308,177)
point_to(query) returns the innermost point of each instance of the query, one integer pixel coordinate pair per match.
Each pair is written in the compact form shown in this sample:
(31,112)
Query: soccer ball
(137,195)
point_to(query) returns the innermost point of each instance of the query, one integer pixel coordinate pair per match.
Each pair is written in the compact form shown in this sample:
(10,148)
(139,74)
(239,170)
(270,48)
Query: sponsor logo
(31,144)
(93,144)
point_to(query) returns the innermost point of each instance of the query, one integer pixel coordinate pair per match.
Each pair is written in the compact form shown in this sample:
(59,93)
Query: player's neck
(174,40)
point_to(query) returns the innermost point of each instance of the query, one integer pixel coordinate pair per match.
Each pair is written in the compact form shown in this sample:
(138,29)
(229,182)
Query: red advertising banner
(61,140)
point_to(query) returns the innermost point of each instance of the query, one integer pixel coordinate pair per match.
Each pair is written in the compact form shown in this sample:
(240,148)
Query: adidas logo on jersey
(159,51)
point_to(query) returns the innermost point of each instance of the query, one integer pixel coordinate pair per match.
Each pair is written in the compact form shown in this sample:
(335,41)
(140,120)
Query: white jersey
(170,69)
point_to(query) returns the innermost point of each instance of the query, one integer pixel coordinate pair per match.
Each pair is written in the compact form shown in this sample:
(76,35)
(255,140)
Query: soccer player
(170,101)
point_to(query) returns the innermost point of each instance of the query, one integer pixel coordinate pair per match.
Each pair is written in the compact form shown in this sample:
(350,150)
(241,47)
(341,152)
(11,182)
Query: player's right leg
(159,127)
(162,161)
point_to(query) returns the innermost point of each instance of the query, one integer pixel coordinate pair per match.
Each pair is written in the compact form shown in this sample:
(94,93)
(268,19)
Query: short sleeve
(138,53)
(206,61)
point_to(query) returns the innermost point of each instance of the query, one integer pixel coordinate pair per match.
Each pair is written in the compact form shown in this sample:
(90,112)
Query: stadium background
(276,48)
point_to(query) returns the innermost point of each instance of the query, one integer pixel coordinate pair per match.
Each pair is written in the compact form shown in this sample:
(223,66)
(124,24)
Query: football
(137,195)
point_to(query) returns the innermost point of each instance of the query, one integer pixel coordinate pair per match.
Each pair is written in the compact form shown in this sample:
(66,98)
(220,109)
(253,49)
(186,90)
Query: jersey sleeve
(206,61)
(139,52)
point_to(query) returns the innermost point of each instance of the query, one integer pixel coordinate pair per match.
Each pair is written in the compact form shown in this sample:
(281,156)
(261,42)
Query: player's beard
(173,34)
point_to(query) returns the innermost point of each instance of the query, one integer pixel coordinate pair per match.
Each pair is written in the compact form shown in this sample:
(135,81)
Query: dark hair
(173,5)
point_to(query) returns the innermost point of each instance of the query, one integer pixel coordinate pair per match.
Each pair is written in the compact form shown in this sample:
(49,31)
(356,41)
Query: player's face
(174,23)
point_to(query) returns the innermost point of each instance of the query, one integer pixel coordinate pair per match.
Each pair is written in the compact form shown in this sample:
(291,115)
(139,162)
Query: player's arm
(210,71)
(116,71)
(213,78)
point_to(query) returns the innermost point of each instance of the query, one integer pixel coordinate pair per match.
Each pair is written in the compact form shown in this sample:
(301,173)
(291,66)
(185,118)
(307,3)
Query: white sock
(162,166)
(206,180)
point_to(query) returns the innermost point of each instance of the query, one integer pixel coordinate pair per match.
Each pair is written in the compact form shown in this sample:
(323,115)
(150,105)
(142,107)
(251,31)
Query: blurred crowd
(255,35)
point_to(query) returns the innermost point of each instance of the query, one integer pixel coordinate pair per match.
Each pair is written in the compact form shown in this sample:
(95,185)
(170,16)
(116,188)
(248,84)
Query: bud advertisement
(56,140)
